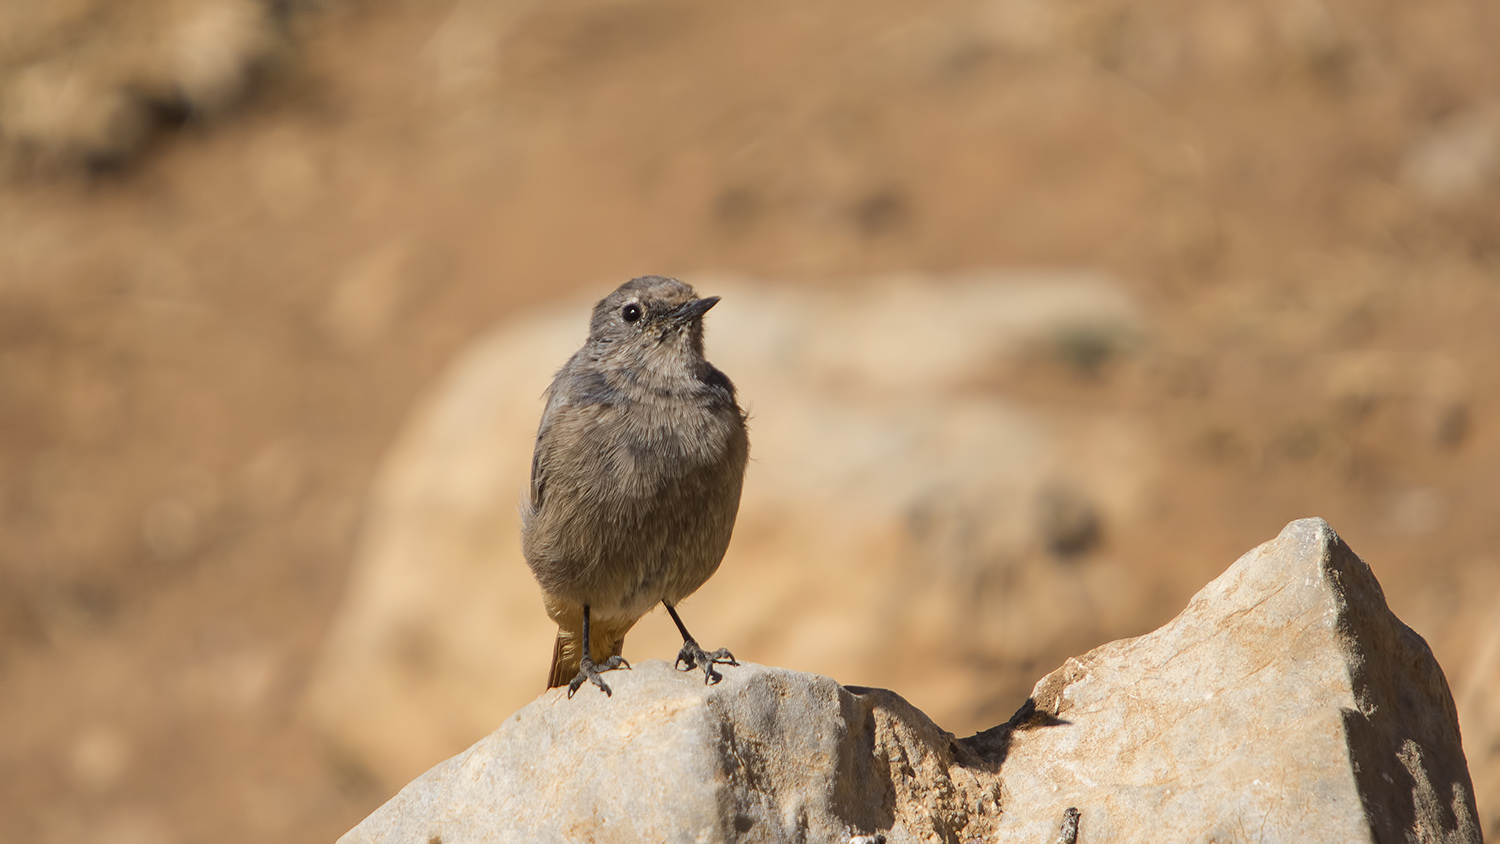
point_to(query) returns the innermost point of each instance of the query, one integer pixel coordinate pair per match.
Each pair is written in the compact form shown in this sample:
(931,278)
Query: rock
(1456,159)
(765,755)
(82,83)
(1286,703)
(891,497)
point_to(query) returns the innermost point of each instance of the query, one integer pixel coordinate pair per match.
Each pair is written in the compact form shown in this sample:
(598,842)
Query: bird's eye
(631,312)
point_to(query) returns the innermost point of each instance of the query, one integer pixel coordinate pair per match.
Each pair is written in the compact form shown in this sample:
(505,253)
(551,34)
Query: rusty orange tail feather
(566,657)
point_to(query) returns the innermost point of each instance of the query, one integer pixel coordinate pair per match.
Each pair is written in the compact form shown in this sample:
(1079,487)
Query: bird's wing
(576,393)
(539,453)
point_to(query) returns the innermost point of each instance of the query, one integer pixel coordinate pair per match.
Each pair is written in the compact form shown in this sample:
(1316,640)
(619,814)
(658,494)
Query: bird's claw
(589,671)
(691,656)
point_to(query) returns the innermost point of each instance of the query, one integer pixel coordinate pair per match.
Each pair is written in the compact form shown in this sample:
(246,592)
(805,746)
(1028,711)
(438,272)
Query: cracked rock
(1285,703)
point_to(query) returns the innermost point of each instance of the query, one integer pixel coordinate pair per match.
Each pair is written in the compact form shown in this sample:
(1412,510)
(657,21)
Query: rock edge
(1286,702)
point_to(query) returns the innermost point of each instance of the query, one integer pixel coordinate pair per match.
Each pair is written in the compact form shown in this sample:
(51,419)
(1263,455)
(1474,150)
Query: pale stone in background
(80,82)
(1457,159)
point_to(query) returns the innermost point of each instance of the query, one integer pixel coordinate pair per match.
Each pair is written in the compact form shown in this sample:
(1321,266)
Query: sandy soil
(209,335)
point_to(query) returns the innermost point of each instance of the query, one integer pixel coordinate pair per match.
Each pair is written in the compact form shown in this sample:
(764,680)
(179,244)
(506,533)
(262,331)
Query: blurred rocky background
(1043,312)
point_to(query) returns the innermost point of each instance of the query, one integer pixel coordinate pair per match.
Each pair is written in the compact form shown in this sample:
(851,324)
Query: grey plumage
(635,480)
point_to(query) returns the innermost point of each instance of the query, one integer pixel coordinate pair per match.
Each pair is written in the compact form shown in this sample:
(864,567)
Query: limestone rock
(1457,159)
(80,81)
(900,521)
(765,755)
(1286,703)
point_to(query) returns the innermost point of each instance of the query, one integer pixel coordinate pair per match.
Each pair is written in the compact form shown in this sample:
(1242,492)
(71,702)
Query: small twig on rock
(1069,832)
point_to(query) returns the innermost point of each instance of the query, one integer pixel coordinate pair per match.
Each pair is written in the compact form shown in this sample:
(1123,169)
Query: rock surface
(1286,703)
(83,83)
(765,755)
(891,498)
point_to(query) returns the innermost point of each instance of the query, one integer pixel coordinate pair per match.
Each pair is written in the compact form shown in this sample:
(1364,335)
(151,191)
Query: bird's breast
(670,439)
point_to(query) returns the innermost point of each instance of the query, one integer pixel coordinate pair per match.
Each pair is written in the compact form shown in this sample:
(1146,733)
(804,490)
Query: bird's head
(649,321)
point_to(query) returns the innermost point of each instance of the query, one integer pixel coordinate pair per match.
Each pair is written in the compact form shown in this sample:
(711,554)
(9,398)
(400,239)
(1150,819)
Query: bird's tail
(605,641)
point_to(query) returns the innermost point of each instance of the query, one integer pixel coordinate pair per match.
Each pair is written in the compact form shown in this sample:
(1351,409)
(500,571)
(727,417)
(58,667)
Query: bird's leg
(693,656)
(589,671)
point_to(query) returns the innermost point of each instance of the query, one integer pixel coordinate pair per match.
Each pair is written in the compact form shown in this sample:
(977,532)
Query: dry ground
(212,325)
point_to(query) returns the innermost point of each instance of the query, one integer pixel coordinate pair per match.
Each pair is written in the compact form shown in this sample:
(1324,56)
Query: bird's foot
(691,656)
(589,670)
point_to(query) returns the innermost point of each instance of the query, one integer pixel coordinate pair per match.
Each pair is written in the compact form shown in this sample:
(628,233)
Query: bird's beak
(694,309)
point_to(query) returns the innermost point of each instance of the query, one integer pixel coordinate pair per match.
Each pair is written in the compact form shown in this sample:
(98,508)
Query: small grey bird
(635,481)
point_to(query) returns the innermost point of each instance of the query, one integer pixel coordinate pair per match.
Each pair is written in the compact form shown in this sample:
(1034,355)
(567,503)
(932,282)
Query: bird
(636,476)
